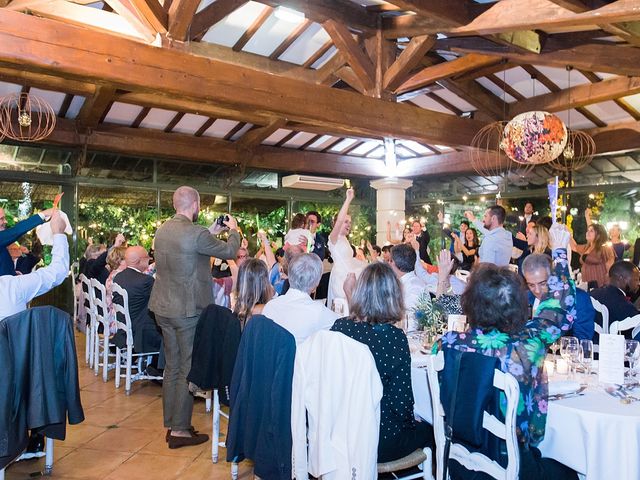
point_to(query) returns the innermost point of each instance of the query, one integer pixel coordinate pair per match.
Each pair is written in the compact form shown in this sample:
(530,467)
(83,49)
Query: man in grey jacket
(182,289)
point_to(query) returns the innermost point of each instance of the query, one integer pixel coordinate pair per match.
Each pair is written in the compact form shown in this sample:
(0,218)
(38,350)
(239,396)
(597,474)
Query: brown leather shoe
(191,429)
(194,439)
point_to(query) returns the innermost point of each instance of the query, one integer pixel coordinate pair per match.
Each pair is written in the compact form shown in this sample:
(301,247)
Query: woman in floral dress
(495,303)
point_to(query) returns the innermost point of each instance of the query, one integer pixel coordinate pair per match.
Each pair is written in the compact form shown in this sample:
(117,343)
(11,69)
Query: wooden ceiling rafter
(253,28)
(449,106)
(205,126)
(231,133)
(292,37)
(174,121)
(318,54)
(127,11)
(180,15)
(96,107)
(66,103)
(140,117)
(259,134)
(212,14)
(621,102)
(154,14)
(407,61)
(286,138)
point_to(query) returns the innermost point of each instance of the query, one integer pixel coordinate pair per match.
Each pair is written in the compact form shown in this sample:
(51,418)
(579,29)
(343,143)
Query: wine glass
(555,346)
(586,356)
(631,354)
(569,350)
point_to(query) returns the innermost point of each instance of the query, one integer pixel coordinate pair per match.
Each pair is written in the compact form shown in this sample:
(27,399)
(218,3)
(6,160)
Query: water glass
(586,356)
(570,351)
(555,346)
(631,355)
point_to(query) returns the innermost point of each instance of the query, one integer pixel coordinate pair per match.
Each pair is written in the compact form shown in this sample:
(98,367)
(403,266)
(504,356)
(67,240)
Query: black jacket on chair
(39,381)
(260,414)
(215,348)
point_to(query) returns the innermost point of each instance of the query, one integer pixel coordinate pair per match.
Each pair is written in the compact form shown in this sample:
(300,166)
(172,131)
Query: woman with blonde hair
(537,241)
(115,264)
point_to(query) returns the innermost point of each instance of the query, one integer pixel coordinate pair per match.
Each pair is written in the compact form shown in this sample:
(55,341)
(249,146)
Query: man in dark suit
(320,240)
(10,235)
(146,334)
(624,279)
(423,239)
(526,218)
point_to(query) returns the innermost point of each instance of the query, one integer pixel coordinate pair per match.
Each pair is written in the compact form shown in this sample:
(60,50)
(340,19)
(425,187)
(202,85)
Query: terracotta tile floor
(122,438)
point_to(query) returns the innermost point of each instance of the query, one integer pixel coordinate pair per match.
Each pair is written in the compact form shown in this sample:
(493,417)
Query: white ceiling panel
(54,99)
(578,121)
(609,112)
(365,147)
(9,88)
(416,147)
(633,100)
(325,58)
(311,40)
(74,108)
(204,4)
(521,81)
(455,100)
(122,113)
(276,136)
(560,76)
(346,143)
(299,140)
(270,35)
(190,123)
(430,104)
(228,31)
(220,128)
(242,131)
(157,118)
(323,142)
(496,90)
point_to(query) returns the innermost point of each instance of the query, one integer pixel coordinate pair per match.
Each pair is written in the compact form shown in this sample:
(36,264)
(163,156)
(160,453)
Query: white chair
(48,459)
(86,298)
(629,323)
(507,431)
(604,312)
(126,360)
(101,342)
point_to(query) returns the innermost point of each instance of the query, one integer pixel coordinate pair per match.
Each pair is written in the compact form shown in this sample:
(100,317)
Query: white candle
(549,367)
(562,367)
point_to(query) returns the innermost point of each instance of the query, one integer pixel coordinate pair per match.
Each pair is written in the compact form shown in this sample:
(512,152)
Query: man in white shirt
(403,260)
(497,243)
(296,310)
(16,292)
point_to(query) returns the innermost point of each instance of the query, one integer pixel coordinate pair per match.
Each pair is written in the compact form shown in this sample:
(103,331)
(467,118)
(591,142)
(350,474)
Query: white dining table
(595,434)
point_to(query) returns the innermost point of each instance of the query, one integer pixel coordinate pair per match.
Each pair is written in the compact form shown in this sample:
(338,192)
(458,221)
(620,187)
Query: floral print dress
(522,354)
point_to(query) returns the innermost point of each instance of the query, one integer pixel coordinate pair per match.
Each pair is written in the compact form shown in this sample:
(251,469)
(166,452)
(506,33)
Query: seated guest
(98,268)
(17,291)
(146,334)
(403,260)
(496,308)
(296,311)
(375,307)
(10,235)
(23,262)
(253,290)
(623,284)
(115,265)
(536,269)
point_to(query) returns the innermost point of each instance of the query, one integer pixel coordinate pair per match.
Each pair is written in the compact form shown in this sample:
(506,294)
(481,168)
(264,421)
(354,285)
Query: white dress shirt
(299,314)
(16,292)
(496,245)
(412,288)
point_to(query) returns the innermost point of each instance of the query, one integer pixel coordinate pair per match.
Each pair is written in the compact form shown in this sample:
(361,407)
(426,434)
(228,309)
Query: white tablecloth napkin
(420,386)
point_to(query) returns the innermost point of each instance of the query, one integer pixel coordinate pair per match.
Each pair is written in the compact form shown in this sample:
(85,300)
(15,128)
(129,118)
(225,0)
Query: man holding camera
(182,289)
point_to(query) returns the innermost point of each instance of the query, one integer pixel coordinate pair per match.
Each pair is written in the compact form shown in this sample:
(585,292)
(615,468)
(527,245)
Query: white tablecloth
(595,434)
(420,386)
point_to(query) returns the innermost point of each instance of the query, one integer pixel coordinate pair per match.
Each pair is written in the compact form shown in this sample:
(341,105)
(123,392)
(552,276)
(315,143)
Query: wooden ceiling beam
(258,134)
(253,28)
(36,44)
(579,96)
(40,80)
(153,13)
(478,96)
(399,26)
(407,60)
(446,69)
(181,14)
(514,15)
(352,15)
(594,57)
(131,14)
(355,56)
(451,12)
(292,37)
(95,107)
(212,14)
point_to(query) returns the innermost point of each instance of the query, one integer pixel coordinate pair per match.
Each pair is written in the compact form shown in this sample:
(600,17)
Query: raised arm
(208,244)
(264,243)
(342,215)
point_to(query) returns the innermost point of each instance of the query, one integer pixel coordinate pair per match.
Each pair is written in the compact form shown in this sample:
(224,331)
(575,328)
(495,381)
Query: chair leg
(118,360)
(127,385)
(215,434)
(105,355)
(234,471)
(207,404)
(427,465)
(96,354)
(48,459)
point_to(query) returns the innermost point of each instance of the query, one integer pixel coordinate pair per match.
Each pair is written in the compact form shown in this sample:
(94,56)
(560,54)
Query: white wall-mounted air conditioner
(312,183)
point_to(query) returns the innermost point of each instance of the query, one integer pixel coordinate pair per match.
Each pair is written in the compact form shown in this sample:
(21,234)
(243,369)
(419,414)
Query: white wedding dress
(343,263)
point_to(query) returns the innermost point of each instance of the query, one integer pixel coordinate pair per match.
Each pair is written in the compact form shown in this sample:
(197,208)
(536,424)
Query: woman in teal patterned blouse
(495,303)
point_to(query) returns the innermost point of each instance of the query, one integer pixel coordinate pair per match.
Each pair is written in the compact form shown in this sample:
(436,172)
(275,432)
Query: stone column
(390,203)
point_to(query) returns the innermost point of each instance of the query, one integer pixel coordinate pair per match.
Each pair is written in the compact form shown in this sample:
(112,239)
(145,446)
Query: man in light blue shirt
(497,243)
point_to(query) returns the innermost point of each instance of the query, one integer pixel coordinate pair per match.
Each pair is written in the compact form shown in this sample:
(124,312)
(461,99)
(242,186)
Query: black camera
(221,219)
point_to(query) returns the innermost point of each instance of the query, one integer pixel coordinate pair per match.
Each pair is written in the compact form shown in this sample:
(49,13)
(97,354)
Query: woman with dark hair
(253,289)
(595,256)
(495,303)
(375,307)
(468,248)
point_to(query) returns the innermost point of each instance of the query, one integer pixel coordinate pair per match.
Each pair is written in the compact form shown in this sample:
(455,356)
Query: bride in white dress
(343,260)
